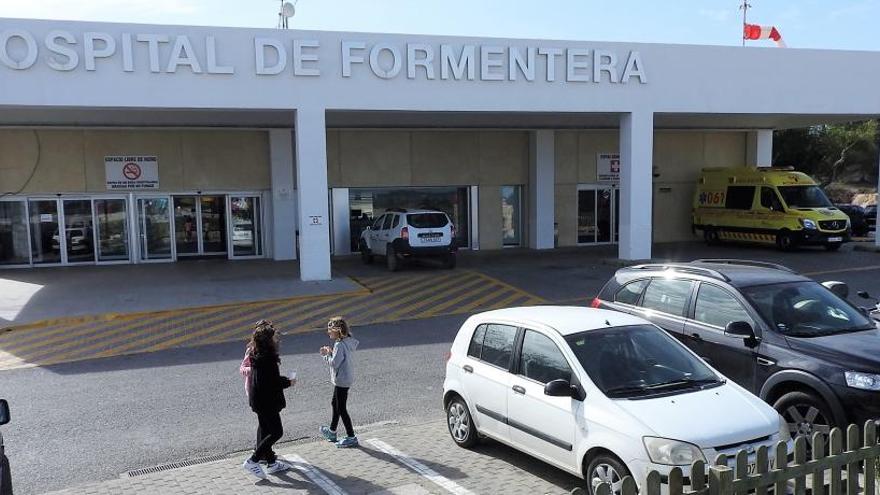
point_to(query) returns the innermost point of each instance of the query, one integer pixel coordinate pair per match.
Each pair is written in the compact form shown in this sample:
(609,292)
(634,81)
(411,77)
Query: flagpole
(744,7)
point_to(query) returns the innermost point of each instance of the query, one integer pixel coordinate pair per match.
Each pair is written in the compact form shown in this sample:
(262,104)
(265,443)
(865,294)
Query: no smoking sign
(131,171)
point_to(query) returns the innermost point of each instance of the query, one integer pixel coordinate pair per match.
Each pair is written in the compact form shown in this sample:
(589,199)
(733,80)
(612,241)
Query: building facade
(139,144)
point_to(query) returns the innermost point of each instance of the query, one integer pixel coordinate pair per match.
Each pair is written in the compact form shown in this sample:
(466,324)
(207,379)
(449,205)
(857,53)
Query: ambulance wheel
(784,241)
(711,237)
(833,246)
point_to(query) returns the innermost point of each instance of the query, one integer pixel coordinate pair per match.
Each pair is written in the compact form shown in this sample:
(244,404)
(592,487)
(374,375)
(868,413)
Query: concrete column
(283,204)
(341,221)
(312,195)
(759,148)
(636,185)
(542,186)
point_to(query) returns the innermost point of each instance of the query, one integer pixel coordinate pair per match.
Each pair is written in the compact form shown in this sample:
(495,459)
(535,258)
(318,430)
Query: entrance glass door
(213,224)
(245,219)
(14,245)
(111,222)
(186,230)
(78,231)
(154,217)
(598,208)
(45,238)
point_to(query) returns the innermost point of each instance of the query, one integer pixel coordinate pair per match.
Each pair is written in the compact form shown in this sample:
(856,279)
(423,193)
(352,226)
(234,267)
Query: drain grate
(176,465)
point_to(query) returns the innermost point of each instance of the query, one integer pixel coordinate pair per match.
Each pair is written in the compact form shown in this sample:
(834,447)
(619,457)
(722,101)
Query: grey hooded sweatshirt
(341,362)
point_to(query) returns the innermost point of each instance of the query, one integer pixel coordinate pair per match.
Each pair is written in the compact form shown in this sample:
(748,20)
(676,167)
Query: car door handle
(468,368)
(519,390)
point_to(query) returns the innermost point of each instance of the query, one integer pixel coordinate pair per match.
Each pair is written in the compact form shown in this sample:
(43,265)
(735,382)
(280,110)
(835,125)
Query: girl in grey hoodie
(341,360)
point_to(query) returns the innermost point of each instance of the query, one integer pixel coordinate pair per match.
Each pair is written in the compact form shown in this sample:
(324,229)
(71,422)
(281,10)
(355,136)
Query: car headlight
(672,452)
(863,381)
(784,432)
(808,224)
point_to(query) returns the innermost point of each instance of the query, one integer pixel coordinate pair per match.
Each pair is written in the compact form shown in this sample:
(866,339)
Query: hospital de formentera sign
(65,51)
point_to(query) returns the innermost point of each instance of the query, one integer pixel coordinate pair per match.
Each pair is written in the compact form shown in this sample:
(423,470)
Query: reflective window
(78,230)
(45,239)
(740,197)
(716,306)
(541,360)
(476,346)
(112,222)
(668,296)
(246,228)
(511,215)
(804,197)
(630,293)
(498,345)
(13,233)
(366,203)
(770,200)
(387,223)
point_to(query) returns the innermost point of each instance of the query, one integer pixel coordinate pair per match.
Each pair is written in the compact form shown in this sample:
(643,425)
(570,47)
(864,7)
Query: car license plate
(835,239)
(431,239)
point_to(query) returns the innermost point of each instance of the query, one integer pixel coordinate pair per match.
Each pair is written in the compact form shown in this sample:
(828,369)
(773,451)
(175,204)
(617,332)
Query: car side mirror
(740,329)
(839,289)
(4,412)
(562,388)
(864,294)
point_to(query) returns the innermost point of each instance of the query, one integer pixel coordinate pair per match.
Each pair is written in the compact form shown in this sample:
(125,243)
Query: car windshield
(427,220)
(804,197)
(805,309)
(639,361)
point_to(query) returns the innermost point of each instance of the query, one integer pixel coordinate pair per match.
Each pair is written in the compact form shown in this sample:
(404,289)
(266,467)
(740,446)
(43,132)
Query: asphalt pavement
(89,421)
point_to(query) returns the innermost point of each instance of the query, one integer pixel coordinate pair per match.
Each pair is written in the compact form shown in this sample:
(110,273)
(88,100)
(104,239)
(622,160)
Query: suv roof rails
(758,264)
(683,268)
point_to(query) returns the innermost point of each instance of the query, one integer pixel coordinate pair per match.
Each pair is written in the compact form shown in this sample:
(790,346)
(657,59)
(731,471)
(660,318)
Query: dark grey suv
(786,338)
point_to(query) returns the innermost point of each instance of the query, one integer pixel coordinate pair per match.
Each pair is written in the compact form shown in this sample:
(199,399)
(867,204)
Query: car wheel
(805,414)
(449,261)
(711,236)
(608,469)
(391,261)
(461,424)
(833,246)
(366,257)
(784,241)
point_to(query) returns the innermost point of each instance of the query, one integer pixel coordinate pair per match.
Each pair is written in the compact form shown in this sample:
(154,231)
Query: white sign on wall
(608,167)
(132,172)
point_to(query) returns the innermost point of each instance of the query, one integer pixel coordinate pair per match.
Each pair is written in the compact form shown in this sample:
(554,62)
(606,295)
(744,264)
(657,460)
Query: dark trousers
(269,432)
(339,403)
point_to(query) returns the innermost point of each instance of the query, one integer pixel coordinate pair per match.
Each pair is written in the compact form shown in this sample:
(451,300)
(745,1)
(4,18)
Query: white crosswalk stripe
(315,475)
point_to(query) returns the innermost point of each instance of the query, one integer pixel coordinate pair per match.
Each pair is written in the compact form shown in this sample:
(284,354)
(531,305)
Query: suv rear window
(427,220)
(630,293)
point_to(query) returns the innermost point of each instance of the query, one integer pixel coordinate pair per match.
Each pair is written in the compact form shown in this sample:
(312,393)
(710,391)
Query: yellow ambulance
(767,205)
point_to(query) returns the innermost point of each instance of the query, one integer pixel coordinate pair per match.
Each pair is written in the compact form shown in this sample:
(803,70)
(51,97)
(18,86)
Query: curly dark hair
(264,341)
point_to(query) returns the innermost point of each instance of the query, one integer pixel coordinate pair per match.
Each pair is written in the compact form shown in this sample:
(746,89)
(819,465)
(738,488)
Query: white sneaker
(277,467)
(254,468)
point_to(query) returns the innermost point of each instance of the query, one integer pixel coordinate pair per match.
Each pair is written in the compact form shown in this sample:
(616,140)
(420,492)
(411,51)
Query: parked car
(5,474)
(78,239)
(401,234)
(871,216)
(786,338)
(599,394)
(857,219)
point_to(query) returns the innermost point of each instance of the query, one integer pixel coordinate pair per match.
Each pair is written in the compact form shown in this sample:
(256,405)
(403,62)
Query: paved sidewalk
(394,459)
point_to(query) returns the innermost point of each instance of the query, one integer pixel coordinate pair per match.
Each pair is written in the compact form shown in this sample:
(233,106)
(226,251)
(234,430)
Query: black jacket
(267,385)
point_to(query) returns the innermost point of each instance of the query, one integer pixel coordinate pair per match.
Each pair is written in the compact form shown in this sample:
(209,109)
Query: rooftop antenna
(744,7)
(285,12)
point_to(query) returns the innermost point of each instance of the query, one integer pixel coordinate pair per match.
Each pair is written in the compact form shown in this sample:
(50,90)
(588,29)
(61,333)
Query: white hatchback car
(599,394)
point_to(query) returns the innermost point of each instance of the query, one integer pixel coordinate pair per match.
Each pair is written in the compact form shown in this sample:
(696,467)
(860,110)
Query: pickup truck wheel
(391,261)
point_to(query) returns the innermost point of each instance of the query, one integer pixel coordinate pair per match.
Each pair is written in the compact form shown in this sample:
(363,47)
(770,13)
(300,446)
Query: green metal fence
(841,463)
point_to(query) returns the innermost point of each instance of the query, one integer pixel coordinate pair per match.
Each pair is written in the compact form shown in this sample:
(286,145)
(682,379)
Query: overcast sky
(840,24)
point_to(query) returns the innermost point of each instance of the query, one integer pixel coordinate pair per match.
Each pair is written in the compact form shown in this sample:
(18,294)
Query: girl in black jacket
(266,398)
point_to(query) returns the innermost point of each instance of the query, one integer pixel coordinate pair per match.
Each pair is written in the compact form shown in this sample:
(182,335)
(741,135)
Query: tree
(826,151)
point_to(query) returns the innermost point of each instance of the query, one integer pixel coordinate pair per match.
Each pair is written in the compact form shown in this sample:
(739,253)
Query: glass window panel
(13,233)
(740,197)
(213,224)
(476,346)
(112,218)
(246,228)
(78,230)
(630,293)
(498,345)
(668,296)
(185,225)
(715,306)
(542,361)
(367,204)
(45,239)
(154,215)
(586,226)
(603,215)
(511,210)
